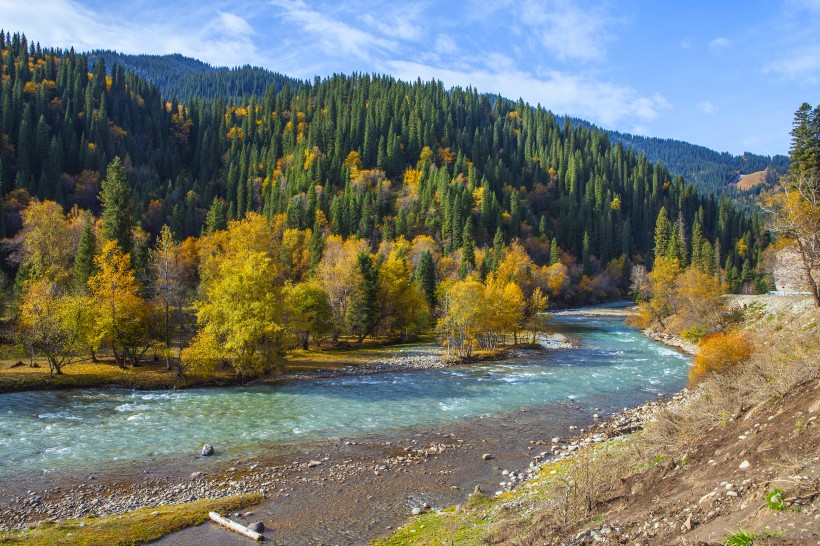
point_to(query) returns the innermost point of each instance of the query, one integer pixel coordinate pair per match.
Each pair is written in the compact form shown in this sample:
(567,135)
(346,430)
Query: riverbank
(338,479)
(736,461)
(301,365)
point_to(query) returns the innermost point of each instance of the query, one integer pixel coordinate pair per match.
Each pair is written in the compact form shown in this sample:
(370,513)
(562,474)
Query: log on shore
(234,526)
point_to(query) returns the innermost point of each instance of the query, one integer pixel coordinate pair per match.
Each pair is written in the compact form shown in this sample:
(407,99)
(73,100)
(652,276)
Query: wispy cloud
(570,30)
(719,44)
(336,38)
(706,107)
(611,105)
(445,44)
(802,65)
(220,38)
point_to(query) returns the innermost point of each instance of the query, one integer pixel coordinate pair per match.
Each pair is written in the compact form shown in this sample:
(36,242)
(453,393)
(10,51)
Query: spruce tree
(117,214)
(467,250)
(554,256)
(215,219)
(84,259)
(317,244)
(662,233)
(362,313)
(426,277)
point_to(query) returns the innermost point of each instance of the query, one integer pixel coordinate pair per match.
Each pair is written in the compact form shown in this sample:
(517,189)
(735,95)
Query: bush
(719,353)
(695,333)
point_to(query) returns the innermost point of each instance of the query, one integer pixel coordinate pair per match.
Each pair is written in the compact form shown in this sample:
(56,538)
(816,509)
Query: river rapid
(91,430)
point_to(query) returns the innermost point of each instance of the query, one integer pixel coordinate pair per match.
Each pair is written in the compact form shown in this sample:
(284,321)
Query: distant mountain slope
(710,171)
(185,78)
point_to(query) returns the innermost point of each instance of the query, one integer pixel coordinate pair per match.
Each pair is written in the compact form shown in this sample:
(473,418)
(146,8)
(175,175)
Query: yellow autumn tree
(125,322)
(403,308)
(239,317)
(463,312)
(55,324)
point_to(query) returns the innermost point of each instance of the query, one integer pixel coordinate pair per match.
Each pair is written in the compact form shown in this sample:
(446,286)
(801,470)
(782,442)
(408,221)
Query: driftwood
(234,526)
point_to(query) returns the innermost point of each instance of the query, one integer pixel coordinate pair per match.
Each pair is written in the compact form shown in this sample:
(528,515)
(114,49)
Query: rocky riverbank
(672,340)
(435,359)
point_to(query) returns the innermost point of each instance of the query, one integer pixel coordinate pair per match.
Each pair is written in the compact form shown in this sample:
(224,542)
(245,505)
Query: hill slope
(700,472)
(185,78)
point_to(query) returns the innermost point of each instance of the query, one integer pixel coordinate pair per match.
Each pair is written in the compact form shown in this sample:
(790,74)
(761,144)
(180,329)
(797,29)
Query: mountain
(185,78)
(377,157)
(710,171)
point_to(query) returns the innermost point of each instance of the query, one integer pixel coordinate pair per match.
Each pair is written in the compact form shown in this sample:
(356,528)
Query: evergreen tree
(662,233)
(362,313)
(317,244)
(117,215)
(84,259)
(426,277)
(467,250)
(215,219)
(554,256)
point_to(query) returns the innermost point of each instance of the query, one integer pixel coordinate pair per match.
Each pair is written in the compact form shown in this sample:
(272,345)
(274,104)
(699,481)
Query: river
(93,429)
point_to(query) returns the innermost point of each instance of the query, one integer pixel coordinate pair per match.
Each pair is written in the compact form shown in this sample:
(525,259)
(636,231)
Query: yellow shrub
(718,353)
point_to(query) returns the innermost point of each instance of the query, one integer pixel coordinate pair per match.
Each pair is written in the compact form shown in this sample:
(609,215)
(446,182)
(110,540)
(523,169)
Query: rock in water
(207,450)
(258,527)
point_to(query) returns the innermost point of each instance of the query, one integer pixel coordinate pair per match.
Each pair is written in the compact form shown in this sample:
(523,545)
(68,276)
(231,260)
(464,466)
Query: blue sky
(727,75)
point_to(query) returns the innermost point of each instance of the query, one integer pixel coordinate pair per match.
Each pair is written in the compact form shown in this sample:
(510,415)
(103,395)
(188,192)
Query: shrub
(718,353)
(695,333)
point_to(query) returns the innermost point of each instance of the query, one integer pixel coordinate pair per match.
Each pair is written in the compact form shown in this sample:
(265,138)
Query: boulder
(257,527)
(207,450)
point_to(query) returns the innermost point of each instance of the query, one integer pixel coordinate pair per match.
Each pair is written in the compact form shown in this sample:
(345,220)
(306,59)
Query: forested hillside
(386,203)
(184,78)
(710,171)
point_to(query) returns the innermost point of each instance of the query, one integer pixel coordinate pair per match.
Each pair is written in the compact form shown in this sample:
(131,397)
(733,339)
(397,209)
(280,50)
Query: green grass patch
(745,538)
(774,500)
(131,528)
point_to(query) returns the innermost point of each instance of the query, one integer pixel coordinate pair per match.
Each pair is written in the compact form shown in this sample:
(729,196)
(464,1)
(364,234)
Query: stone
(312,464)
(744,465)
(416,511)
(486,456)
(257,527)
(195,475)
(207,450)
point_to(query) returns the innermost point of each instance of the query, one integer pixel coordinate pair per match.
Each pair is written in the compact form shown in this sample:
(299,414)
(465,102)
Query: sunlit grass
(131,528)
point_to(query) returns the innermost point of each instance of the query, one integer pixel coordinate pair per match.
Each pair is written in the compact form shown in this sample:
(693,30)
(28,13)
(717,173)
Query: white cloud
(335,37)
(807,5)
(445,44)
(608,104)
(571,31)
(801,66)
(222,39)
(719,44)
(706,107)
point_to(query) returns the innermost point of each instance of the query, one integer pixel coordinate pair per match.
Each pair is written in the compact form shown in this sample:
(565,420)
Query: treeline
(183,78)
(710,171)
(400,189)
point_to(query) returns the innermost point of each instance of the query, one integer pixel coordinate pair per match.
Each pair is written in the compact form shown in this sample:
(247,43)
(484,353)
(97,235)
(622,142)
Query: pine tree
(317,244)
(117,214)
(84,259)
(467,250)
(363,310)
(426,277)
(662,233)
(554,256)
(215,219)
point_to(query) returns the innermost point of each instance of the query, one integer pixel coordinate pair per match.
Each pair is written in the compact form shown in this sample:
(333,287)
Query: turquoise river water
(44,432)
